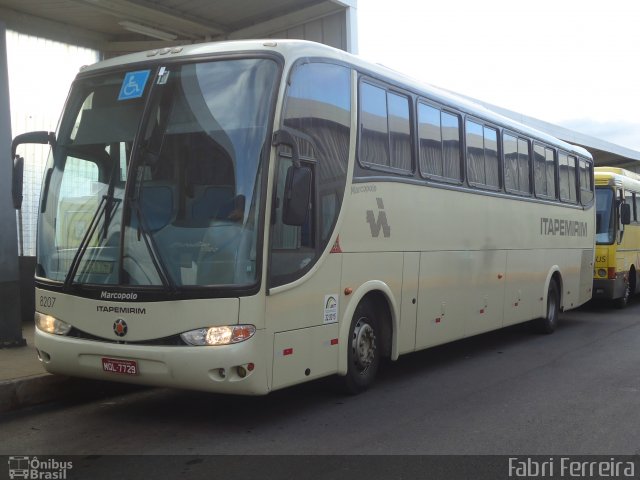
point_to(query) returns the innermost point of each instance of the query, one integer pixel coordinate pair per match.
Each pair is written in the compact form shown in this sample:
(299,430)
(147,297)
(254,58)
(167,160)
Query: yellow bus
(617,235)
(270,212)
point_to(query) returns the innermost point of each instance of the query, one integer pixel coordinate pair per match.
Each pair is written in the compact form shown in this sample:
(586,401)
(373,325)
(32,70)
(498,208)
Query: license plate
(122,367)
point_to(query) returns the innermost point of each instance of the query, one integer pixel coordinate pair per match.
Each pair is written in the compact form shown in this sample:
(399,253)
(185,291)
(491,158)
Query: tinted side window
(585,177)
(385,128)
(399,131)
(451,146)
(517,163)
(544,171)
(482,155)
(374,141)
(439,136)
(628,199)
(430,139)
(567,172)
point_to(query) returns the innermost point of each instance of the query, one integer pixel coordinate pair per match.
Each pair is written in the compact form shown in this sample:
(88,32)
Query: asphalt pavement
(506,392)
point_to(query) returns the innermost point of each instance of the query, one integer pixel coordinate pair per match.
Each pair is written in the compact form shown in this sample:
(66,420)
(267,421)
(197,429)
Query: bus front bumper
(222,369)
(609,288)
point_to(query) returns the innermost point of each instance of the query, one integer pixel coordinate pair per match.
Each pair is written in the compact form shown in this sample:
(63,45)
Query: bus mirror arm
(17,173)
(285,137)
(42,137)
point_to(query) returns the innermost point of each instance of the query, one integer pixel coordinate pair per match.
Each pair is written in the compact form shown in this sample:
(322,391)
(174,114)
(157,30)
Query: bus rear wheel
(549,322)
(364,352)
(629,290)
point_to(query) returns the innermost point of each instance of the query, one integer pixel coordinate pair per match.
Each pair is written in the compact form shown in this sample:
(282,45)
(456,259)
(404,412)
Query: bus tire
(549,322)
(364,349)
(624,300)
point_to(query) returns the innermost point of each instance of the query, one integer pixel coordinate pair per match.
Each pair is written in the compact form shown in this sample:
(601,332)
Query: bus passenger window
(374,148)
(567,164)
(482,155)
(628,199)
(516,164)
(544,171)
(586,182)
(399,132)
(386,128)
(439,134)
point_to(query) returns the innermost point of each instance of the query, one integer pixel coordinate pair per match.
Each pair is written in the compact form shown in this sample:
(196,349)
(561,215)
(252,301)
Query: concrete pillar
(10,325)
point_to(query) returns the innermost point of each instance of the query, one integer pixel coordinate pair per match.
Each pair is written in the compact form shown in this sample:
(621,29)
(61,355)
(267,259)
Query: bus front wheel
(363,354)
(549,322)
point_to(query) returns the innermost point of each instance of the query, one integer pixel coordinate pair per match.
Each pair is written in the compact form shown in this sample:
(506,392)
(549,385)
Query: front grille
(173,340)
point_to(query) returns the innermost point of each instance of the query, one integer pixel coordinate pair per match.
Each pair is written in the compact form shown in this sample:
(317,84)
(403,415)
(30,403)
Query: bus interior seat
(157,206)
(212,202)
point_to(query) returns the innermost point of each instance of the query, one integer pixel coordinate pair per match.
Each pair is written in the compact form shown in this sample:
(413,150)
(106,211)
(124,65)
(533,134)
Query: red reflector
(334,341)
(438,320)
(482,311)
(611,273)
(250,367)
(287,351)
(336,246)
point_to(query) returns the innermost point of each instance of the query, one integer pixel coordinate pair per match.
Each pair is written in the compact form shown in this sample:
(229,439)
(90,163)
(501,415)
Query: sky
(574,63)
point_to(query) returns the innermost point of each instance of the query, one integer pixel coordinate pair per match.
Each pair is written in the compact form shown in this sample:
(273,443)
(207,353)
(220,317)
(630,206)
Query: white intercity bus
(243,216)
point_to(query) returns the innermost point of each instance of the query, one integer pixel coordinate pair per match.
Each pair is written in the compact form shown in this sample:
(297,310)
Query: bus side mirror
(297,195)
(625,214)
(16,181)
(41,137)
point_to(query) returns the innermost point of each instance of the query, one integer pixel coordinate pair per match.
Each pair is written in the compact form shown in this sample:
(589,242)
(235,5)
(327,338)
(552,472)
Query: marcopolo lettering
(562,228)
(118,295)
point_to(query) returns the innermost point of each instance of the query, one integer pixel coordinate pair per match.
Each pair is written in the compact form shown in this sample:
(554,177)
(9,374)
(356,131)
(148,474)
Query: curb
(39,389)
(23,392)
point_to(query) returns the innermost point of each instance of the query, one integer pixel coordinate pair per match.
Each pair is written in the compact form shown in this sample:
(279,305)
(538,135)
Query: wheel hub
(363,345)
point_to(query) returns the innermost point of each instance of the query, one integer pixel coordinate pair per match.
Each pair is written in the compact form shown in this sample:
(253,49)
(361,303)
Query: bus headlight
(50,324)
(602,272)
(219,335)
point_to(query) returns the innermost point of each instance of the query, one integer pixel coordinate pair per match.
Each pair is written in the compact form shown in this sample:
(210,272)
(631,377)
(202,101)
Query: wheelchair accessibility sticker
(133,84)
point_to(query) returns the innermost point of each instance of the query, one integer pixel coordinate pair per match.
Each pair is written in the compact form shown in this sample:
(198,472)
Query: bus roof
(292,50)
(616,176)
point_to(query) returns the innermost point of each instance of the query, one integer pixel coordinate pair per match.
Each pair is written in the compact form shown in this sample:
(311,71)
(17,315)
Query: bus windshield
(605,229)
(156,177)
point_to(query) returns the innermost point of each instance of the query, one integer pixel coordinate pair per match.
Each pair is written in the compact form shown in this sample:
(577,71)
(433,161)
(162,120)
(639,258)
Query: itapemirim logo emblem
(120,327)
(380,223)
(35,469)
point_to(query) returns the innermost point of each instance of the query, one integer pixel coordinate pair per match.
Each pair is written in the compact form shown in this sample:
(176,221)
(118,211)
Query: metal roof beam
(155,15)
(285,22)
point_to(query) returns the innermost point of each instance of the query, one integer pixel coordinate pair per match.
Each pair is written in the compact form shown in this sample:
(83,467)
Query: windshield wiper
(143,231)
(105,207)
